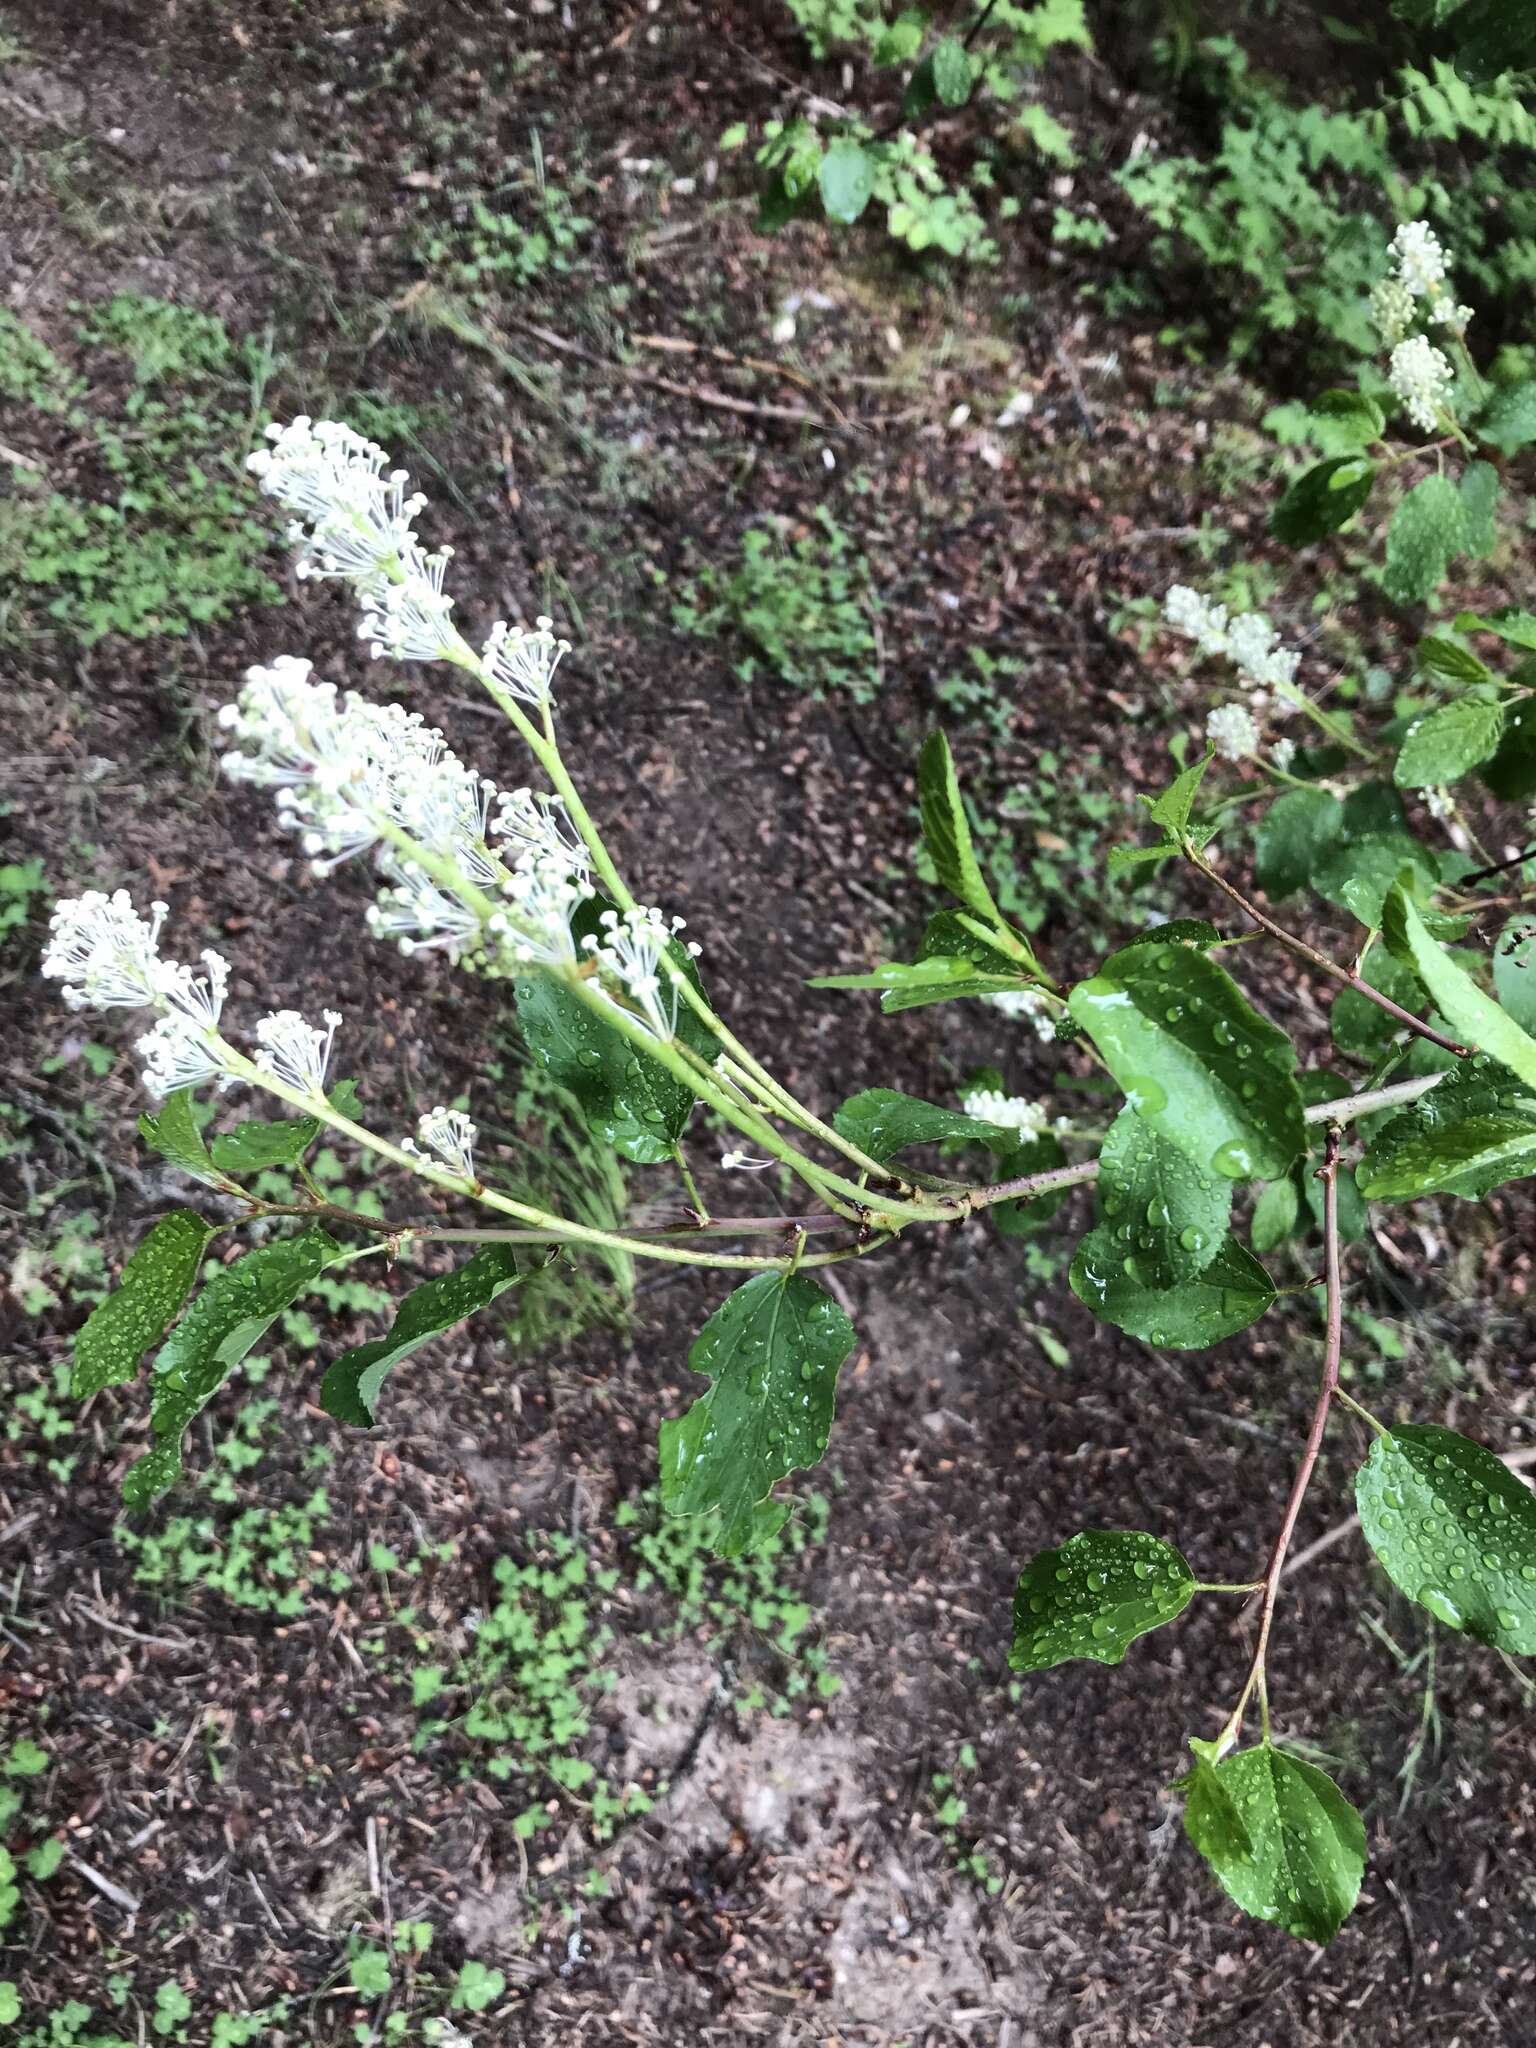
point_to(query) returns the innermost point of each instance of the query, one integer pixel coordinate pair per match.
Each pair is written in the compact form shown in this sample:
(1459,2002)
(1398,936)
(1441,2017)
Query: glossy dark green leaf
(1514,969)
(1493,36)
(1474,1017)
(947,831)
(1232,1292)
(1094,1596)
(234,1311)
(995,948)
(350,1389)
(1455,1530)
(1428,528)
(251,1148)
(847,180)
(1352,412)
(1352,1215)
(1472,1132)
(1179,931)
(1511,774)
(1211,1819)
(1169,1215)
(772,1352)
(1322,499)
(1448,742)
(154,1284)
(911,985)
(173,1133)
(1298,832)
(1509,424)
(627,1098)
(883,1122)
(1304,1855)
(1195,1060)
(1275,1215)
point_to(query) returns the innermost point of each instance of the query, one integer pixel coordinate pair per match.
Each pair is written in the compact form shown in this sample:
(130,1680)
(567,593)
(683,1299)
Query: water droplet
(1506,1620)
(1440,1606)
(1222,1031)
(1233,1160)
(1145,1094)
(1248,1090)
(1192,1240)
(1492,1559)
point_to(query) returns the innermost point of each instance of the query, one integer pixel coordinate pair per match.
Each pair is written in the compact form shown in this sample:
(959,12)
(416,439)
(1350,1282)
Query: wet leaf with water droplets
(350,1389)
(172,1132)
(883,1122)
(1094,1596)
(773,1351)
(1233,1291)
(234,1312)
(1298,1855)
(1196,1061)
(1472,1015)
(947,830)
(1472,1132)
(154,1284)
(1455,1530)
(1167,1214)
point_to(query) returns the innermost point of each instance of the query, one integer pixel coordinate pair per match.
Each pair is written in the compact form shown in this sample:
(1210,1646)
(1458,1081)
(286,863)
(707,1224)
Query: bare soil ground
(247,1784)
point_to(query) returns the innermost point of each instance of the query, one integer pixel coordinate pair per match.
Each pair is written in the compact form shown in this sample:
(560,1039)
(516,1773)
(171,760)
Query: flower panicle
(628,951)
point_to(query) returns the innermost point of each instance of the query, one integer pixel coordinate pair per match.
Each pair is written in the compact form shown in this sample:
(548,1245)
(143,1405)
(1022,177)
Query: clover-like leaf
(1196,1061)
(1298,1853)
(1094,1596)
(350,1389)
(232,1313)
(1233,1291)
(1472,1015)
(772,1351)
(1168,1215)
(1455,1530)
(154,1284)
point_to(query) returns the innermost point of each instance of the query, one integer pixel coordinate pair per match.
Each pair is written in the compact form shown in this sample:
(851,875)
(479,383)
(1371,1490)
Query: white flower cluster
(353,517)
(630,951)
(1008,1112)
(108,957)
(1420,374)
(1028,1003)
(1248,640)
(479,872)
(450,1136)
(1422,377)
(1233,731)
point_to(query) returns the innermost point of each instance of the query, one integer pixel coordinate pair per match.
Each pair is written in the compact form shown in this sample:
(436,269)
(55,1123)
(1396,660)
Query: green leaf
(1449,658)
(1473,1131)
(1305,1850)
(350,1389)
(1169,1215)
(934,980)
(1275,1215)
(1442,746)
(1298,832)
(154,1284)
(1353,413)
(1362,872)
(1362,1027)
(1428,528)
(1322,499)
(1514,970)
(1094,1596)
(1474,1017)
(772,1351)
(175,1136)
(847,179)
(1511,625)
(231,1315)
(952,72)
(996,948)
(1455,1530)
(251,1148)
(1195,1060)
(628,1099)
(920,92)
(1232,1292)
(1511,774)
(1179,931)
(1171,810)
(1211,1818)
(1509,424)
(947,832)
(1480,503)
(883,1122)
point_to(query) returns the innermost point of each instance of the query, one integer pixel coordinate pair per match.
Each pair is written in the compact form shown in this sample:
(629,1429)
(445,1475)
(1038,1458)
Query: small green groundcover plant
(1222,1145)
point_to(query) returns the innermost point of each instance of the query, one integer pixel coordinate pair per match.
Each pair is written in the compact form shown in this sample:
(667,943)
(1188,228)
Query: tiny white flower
(1009,1112)
(1025,1003)
(1283,753)
(1421,261)
(352,518)
(1193,615)
(176,1053)
(107,956)
(524,663)
(1393,310)
(1231,730)
(451,1135)
(1422,378)
(1440,804)
(296,1052)
(406,614)
(631,951)
(741,1162)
